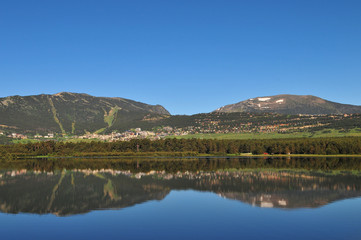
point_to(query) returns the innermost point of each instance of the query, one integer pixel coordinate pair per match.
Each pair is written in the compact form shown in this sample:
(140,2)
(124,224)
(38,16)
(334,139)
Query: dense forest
(322,146)
(173,165)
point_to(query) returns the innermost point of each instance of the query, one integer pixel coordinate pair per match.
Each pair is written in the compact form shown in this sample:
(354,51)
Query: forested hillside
(70,113)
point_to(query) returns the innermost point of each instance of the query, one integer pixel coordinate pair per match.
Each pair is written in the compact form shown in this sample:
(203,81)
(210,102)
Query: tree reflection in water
(69,186)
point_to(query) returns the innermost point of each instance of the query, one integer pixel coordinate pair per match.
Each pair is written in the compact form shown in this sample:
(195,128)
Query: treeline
(321,146)
(5,140)
(194,164)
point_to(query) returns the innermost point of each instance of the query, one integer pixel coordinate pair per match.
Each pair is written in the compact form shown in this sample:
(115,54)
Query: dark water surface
(220,198)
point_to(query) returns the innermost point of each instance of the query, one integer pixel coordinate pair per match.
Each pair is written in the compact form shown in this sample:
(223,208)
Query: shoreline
(161,155)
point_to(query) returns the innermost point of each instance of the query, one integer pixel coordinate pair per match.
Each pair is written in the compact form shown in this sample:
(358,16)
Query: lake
(195,198)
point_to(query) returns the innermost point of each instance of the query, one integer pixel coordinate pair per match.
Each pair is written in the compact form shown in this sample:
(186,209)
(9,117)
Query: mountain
(83,190)
(75,113)
(290,104)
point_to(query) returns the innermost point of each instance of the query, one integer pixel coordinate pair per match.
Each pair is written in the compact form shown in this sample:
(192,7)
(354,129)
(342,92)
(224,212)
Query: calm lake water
(217,198)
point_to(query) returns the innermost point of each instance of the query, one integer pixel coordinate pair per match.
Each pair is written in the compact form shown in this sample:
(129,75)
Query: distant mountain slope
(71,112)
(290,104)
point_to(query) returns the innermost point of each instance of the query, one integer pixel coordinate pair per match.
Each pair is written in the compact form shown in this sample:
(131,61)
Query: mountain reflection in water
(41,187)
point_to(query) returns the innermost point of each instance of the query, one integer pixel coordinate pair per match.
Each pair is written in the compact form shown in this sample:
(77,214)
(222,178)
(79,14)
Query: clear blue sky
(189,56)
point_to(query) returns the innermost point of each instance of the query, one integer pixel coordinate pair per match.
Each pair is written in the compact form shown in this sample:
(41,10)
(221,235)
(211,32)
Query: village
(136,133)
(203,124)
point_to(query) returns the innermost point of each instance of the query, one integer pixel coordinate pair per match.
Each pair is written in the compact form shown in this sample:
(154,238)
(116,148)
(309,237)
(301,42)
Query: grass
(73,127)
(77,140)
(295,170)
(24,141)
(56,119)
(318,134)
(108,119)
(183,155)
(298,155)
(100,130)
(60,139)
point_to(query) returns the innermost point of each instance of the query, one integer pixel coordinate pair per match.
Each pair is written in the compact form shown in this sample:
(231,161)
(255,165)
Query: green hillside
(70,113)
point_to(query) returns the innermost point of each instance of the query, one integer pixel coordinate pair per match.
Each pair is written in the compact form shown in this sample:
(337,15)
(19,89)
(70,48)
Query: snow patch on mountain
(264,99)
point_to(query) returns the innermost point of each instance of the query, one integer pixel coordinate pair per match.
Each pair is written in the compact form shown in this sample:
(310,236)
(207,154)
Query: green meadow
(318,134)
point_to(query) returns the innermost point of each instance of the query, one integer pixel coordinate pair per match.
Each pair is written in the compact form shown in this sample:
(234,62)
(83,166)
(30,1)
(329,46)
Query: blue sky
(189,56)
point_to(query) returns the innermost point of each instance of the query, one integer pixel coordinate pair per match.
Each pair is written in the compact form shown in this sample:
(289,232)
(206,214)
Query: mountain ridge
(80,113)
(290,104)
(67,112)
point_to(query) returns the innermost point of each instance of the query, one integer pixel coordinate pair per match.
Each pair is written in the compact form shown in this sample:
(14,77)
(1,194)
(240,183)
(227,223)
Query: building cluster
(136,133)
(49,135)
(17,136)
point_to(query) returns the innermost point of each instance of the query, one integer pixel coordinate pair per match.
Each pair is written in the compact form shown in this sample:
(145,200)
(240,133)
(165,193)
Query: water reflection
(184,164)
(41,187)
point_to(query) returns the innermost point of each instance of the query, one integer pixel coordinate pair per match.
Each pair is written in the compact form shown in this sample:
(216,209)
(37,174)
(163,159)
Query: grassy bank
(180,155)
